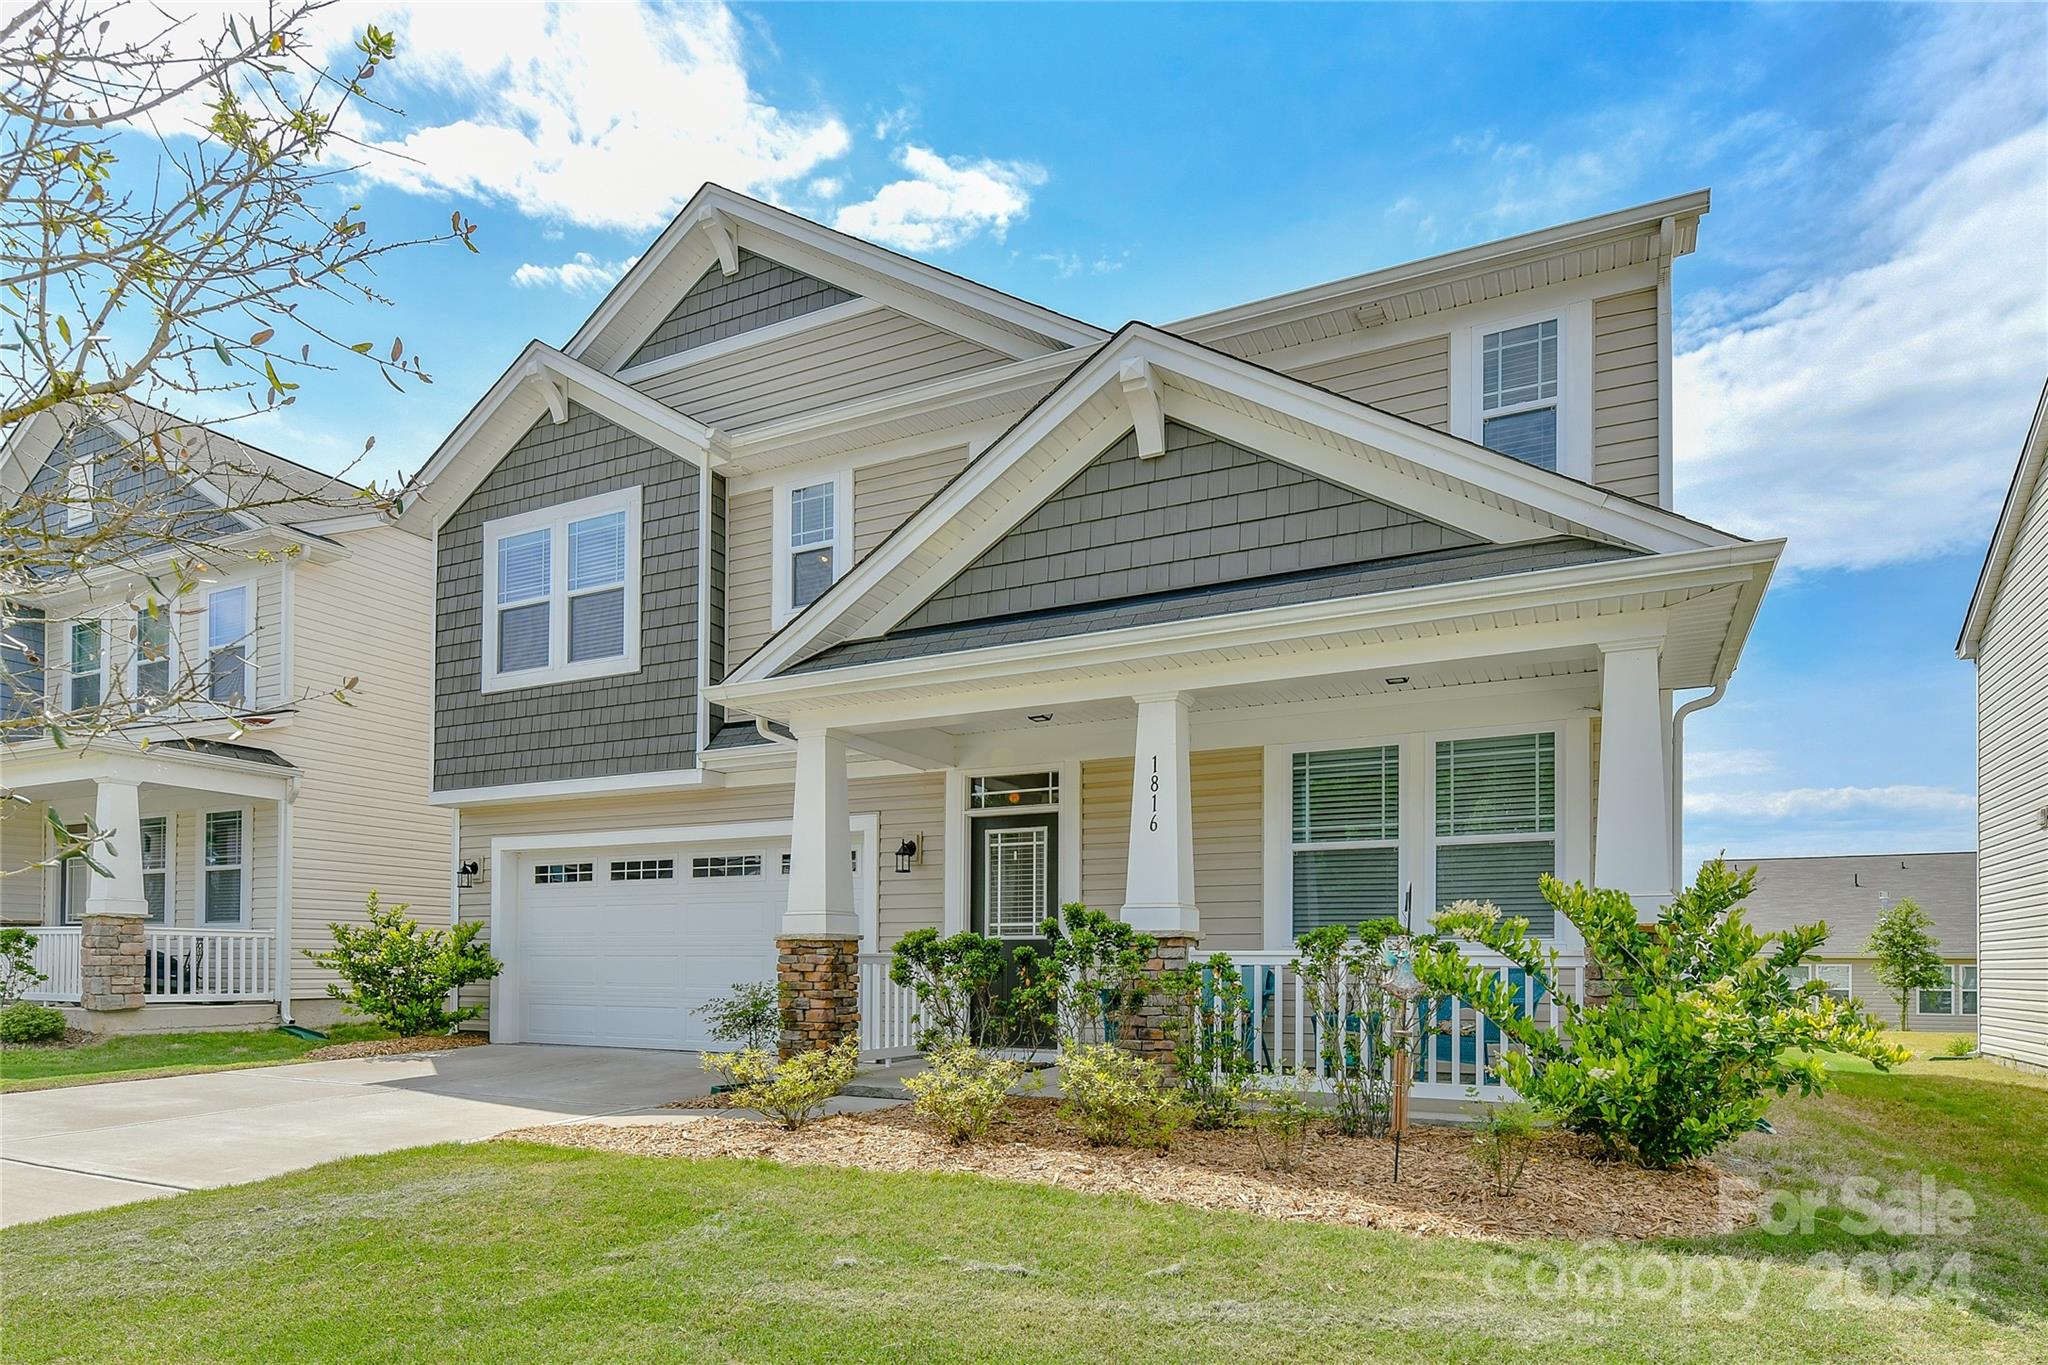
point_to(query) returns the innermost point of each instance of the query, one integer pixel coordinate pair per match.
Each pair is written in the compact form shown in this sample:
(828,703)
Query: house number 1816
(1155,794)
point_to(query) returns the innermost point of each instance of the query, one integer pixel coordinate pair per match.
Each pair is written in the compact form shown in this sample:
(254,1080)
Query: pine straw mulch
(396,1047)
(1567,1191)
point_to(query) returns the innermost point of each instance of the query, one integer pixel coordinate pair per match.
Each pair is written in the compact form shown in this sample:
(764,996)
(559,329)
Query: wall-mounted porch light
(465,875)
(909,853)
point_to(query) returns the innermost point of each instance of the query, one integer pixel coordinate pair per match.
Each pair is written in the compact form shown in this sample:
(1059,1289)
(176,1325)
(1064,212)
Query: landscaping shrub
(1355,1021)
(1704,1028)
(1282,1124)
(791,1092)
(1962,1045)
(1503,1142)
(401,975)
(1089,981)
(1906,957)
(17,965)
(24,1021)
(954,980)
(1118,1100)
(751,1017)
(962,1089)
(1211,1054)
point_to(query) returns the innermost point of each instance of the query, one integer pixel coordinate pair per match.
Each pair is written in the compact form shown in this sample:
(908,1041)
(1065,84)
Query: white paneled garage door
(620,947)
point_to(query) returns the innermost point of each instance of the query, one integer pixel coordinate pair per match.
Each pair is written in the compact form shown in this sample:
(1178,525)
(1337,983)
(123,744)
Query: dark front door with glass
(1016,885)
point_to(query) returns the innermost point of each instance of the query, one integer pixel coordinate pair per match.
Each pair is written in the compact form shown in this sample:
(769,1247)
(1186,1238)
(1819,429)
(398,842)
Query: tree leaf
(397,347)
(266,334)
(362,347)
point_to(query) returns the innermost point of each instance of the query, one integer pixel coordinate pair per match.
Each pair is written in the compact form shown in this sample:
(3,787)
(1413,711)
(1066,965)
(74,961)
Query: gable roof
(1138,379)
(1660,230)
(2027,479)
(1845,890)
(717,223)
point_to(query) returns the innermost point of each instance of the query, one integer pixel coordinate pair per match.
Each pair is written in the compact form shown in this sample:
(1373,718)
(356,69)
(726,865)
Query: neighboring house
(261,808)
(803,555)
(2006,633)
(1849,892)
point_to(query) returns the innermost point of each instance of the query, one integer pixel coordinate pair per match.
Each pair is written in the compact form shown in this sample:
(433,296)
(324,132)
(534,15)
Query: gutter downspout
(284,904)
(1678,880)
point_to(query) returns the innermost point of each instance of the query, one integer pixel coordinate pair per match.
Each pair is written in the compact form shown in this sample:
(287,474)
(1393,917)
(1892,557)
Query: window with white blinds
(561,592)
(225,888)
(1346,836)
(1518,392)
(1016,867)
(156,867)
(1496,823)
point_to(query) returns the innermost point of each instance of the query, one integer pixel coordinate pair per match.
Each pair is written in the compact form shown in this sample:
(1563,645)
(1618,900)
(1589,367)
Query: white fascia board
(1408,607)
(2026,484)
(1358,289)
(28,446)
(620,784)
(119,760)
(1571,503)
(122,579)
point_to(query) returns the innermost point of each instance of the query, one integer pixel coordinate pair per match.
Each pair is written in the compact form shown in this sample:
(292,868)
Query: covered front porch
(153,878)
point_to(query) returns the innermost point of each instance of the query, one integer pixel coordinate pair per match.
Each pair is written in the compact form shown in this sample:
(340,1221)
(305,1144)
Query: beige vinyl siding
(749,574)
(2012,794)
(1412,380)
(23,841)
(362,819)
(884,495)
(1625,394)
(1229,833)
(189,672)
(31,896)
(871,353)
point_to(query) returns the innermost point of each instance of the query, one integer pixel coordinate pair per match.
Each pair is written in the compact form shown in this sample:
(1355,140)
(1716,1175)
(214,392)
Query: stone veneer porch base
(110,959)
(819,979)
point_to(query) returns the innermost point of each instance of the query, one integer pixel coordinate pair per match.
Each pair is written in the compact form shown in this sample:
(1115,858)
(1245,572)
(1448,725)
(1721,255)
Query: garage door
(621,947)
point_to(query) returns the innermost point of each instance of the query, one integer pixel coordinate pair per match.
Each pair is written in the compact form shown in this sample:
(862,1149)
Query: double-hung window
(229,625)
(1346,836)
(1957,995)
(225,871)
(156,867)
(85,676)
(150,671)
(1838,977)
(1518,392)
(562,592)
(1496,823)
(811,542)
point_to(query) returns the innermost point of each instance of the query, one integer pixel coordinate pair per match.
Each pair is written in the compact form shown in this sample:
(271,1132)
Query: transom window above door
(562,592)
(1013,791)
(1518,392)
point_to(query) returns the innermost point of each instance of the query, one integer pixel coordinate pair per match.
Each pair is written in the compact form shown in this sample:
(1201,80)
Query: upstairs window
(1496,823)
(562,592)
(812,542)
(150,672)
(1518,392)
(1346,836)
(228,628)
(85,675)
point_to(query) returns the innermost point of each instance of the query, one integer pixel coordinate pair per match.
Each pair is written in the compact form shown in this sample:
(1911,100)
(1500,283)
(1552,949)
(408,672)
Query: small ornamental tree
(750,1017)
(402,976)
(17,965)
(1212,1053)
(1704,1028)
(954,979)
(1090,979)
(1907,956)
(1354,1020)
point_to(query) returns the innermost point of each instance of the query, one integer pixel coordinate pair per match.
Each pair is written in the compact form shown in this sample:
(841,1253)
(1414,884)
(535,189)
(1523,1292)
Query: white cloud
(1812,802)
(1712,763)
(1067,264)
(584,275)
(944,202)
(603,115)
(826,187)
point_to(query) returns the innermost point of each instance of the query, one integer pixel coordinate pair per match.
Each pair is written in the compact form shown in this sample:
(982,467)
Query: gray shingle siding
(1219,599)
(136,479)
(761,292)
(1207,511)
(628,723)
(714,663)
(21,652)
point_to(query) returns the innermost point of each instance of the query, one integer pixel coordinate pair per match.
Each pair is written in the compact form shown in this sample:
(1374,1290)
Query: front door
(1016,884)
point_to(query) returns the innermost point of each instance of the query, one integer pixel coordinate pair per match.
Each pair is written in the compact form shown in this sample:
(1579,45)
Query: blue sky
(1861,333)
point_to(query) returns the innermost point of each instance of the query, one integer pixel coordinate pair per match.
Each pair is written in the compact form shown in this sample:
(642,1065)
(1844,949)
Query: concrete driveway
(92,1146)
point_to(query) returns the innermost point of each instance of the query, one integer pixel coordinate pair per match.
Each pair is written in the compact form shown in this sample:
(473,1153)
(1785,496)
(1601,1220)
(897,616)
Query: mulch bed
(396,1047)
(1567,1191)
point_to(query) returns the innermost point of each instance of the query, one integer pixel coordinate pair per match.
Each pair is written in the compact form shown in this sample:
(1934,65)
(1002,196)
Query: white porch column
(1632,848)
(820,890)
(1159,884)
(117,817)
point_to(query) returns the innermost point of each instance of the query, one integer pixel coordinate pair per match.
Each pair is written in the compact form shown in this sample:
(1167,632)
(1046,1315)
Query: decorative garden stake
(1397,979)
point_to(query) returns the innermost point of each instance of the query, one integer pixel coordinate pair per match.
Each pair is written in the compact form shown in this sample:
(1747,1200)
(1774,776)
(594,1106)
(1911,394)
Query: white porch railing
(888,1012)
(192,966)
(207,965)
(56,957)
(1280,1027)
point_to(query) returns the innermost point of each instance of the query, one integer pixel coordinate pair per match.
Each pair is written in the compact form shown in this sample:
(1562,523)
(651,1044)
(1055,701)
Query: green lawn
(128,1057)
(507,1252)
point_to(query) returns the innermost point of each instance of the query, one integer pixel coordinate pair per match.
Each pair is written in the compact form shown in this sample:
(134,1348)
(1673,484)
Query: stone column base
(819,977)
(110,962)
(1151,1033)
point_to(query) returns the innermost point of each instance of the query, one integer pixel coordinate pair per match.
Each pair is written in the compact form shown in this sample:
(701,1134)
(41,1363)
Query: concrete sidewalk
(93,1146)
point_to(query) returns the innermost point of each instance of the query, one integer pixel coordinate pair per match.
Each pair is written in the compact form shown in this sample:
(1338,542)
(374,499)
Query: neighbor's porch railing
(193,966)
(1281,1029)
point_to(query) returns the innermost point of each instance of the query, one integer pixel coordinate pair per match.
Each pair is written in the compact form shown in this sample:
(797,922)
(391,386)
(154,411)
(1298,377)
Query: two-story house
(810,595)
(240,803)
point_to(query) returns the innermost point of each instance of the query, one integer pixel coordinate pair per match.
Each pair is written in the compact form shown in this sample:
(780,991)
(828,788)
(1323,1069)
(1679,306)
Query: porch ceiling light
(1041,718)
(1395,681)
